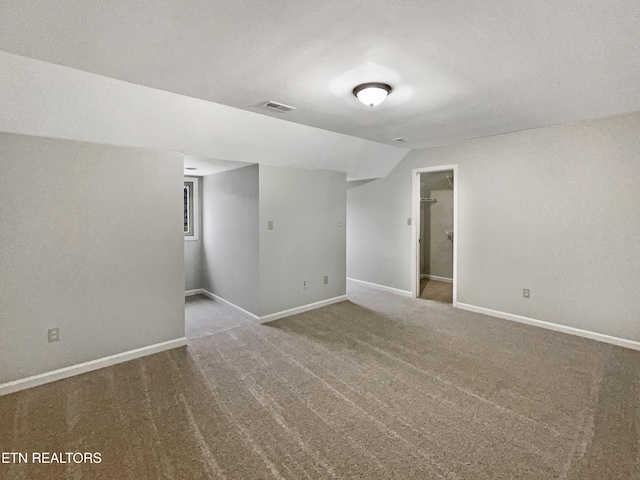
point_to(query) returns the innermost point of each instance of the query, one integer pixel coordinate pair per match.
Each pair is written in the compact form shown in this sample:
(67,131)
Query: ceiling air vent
(278,107)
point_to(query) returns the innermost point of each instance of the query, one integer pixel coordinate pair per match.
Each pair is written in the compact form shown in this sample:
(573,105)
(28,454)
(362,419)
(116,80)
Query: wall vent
(278,107)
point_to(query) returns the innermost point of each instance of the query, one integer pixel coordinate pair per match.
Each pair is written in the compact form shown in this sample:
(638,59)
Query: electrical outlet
(54,334)
(304,284)
(526,293)
(326,279)
(339,223)
(270,225)
(408,221)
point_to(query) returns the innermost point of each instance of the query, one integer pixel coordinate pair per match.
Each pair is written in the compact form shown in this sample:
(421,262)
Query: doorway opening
(434,239)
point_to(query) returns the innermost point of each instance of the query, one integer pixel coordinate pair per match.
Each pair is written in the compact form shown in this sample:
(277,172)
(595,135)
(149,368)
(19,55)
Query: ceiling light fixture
(372,94)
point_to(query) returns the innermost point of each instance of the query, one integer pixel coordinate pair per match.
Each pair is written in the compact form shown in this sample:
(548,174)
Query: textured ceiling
(459,69)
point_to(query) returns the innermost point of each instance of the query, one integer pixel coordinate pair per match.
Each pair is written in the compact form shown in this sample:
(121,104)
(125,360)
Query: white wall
(439,247)
(230,235)
(436,250)
(378,237)
(91,242)
(308,210)
(193,252)
(262,270)
(553,209)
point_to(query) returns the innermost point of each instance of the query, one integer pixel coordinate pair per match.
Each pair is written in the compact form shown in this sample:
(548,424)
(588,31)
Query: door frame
(415,215)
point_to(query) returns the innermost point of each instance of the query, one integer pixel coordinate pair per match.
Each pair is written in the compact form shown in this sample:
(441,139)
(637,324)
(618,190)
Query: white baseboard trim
(397,291)
(54,375)
(277,315)
(190,293)
(213,296)
(304,308)
(436,277)
(601,337)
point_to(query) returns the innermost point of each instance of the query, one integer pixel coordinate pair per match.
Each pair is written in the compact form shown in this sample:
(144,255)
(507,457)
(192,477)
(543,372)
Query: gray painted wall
(439,247)
(436,250)
(91,242)
(193,252)
(553,209)
(230,263)
(308,240)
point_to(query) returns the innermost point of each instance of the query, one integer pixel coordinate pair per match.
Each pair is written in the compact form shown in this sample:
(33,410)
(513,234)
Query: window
(191,213)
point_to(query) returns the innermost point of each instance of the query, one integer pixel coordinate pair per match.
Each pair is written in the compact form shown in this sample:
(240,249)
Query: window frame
(194,211)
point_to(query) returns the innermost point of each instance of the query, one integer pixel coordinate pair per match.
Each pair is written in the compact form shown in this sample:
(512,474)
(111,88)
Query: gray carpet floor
(436,290)
(204,316)
(377,387)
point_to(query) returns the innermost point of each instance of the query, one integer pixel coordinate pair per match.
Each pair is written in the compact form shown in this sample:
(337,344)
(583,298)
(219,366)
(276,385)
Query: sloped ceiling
(43,99)
(459,69)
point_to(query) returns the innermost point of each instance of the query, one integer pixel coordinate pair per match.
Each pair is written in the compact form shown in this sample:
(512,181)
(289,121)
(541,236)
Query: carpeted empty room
(381,240)
(376,387)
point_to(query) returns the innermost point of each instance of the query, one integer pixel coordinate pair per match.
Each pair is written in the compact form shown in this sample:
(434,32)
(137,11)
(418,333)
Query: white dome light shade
(372,94)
